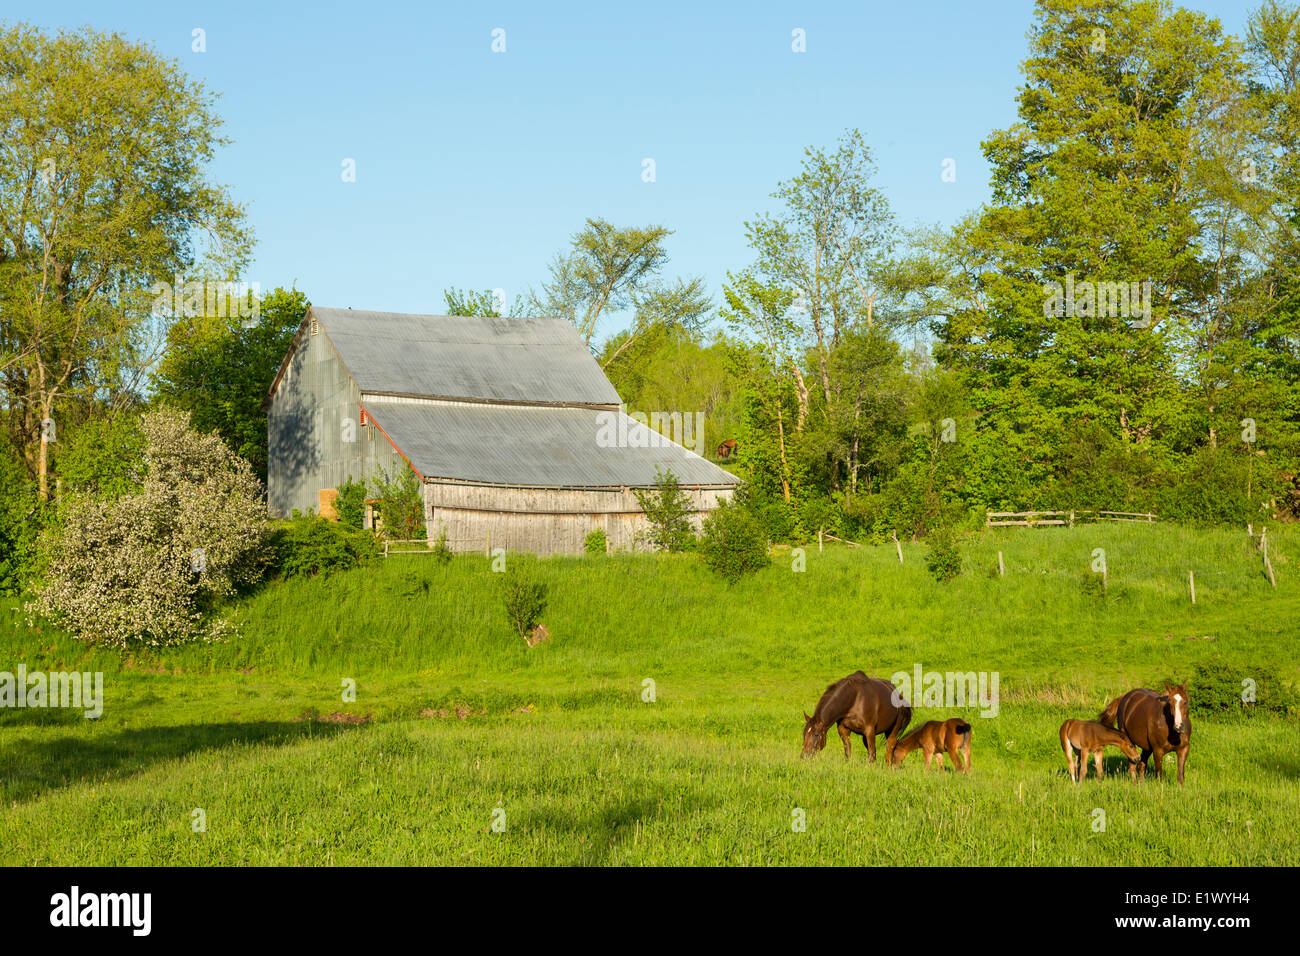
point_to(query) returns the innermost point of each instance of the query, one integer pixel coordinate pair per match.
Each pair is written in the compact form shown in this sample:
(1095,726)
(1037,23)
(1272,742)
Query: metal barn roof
(520,445)
(448,356)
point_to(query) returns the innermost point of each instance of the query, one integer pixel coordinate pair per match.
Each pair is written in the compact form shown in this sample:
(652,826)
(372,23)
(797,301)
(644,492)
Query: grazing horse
(1088,736)
(934,737)
(857,704)
(1157,723)
(727,448)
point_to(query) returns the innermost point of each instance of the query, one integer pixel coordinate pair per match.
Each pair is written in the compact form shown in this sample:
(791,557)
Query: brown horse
(934,737)
(1088,736)
(857,704)
(1157,723)
(727,448)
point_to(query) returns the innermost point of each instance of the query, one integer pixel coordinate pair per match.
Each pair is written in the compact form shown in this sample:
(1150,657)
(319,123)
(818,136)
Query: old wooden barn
(518,437)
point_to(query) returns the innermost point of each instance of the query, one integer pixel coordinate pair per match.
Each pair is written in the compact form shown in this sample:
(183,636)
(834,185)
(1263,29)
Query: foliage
(595,542)
(308,544)
(219,369)
(398,500)
(733,544)
(351,503)
(104,193)
(154,565)
(469,302)
(943,553)
(668,509)
(20,521)
(1217,686)
(441,552)
(525,598)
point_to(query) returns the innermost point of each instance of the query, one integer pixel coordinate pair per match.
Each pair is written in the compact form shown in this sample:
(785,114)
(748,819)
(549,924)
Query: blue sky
(473,168)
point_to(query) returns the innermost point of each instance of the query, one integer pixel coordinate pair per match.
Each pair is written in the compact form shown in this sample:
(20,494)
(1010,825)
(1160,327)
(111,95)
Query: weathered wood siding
(541,520)
(312,416)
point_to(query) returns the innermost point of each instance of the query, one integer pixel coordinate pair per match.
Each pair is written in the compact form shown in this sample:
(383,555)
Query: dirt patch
(460,712)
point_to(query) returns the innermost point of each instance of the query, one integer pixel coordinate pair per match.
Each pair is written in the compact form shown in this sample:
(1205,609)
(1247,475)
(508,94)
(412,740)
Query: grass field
(556,746)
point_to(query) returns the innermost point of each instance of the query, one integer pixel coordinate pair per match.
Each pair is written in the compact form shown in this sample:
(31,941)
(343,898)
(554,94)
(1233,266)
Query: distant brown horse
(857,704)
(1157,723)
(935,737)
(1088,736)
(727,448)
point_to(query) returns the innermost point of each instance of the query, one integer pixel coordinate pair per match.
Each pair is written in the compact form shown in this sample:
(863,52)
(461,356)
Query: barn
(518,438)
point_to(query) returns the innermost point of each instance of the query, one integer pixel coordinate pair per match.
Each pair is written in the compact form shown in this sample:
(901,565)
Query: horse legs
(844,736)
(869,734)
(965,752)
(1097,758)
(1142,762)
(1069,762)
(1182,762)
(929,758)
(1083,763)
(1160,761)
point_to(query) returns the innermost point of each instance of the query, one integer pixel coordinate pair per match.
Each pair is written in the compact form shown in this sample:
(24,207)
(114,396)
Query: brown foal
(1090,737)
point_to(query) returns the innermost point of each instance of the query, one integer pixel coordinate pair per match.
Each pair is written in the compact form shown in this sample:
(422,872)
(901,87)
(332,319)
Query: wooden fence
(1032,519)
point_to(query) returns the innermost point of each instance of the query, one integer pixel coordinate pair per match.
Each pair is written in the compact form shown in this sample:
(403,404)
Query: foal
(934,737)
(1088,736)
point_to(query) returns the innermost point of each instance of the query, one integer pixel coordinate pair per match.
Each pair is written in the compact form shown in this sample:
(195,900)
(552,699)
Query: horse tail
(963,728)
(1108,715)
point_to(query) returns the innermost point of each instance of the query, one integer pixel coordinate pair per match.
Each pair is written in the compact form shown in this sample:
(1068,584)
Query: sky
(475,166)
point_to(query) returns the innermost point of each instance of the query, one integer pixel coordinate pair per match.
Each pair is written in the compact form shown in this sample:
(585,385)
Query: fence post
(819,540)
(898,544)
(1191,585)
(1002,571)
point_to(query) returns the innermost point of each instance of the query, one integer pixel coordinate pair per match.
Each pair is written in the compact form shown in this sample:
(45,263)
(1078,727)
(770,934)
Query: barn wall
(306,430)
(541,520)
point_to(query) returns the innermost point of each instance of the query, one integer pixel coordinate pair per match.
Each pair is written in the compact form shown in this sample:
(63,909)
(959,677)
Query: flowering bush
(154,565)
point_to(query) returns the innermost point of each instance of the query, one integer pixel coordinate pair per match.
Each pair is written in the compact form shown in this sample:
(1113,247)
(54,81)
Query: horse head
(813,738)
(1178,705)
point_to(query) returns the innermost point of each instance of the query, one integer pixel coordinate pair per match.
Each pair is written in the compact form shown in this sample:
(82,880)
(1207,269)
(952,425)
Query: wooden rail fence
(1033,519)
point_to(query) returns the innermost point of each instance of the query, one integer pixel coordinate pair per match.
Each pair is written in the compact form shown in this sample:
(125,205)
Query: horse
(727,448)
(1088,736)
(934,737)
(1157,723)
(857,704)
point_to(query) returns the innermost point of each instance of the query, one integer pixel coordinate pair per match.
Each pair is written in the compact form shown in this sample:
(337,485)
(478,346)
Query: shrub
(525,600)
(595,542)
(441,553)
(668,509)
(351,504)
(1216,687)
(153,565)
(308,544)
(399,503)
(733,544)
(943,557)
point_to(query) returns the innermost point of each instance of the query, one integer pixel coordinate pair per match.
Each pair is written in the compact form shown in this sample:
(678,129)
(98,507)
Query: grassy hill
(460,724)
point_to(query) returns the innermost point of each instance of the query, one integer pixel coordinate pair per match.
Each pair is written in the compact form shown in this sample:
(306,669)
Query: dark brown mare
(934,737)
(857,704)
(1157,723)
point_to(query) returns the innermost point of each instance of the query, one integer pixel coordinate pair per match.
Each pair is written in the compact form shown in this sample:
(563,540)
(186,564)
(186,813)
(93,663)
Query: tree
(471,303)
(218,369)
(103,193)
(829,243)
(154,565)
(604,269)
(668,510)
(765,352)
